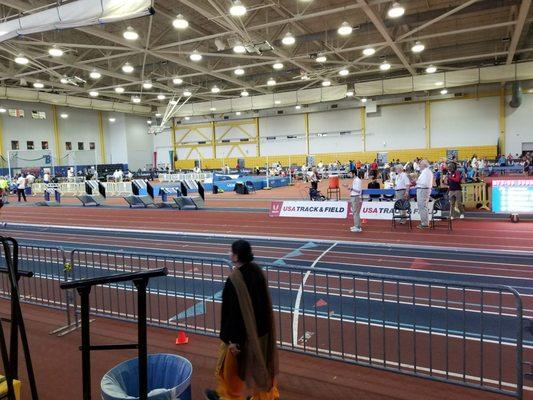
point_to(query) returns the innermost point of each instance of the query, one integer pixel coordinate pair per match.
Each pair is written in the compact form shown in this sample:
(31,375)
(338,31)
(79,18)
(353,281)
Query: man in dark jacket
(248,354)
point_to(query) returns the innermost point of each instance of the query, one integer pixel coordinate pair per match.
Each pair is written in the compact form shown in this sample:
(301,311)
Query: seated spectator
(374,184)
(502,162)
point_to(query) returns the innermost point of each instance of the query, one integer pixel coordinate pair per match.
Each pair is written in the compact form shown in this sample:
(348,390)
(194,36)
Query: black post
(142,340)
(85,342)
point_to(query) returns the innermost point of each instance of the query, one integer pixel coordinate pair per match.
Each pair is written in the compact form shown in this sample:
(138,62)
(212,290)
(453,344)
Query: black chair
(442,211)
(401,211)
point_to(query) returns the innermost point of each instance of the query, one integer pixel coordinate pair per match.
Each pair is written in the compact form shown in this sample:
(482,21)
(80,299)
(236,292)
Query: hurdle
(52,189)
(95,194)
(137,200)
(165,191)
(190,202)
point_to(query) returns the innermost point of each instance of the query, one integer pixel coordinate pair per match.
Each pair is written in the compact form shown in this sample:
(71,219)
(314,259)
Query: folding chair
(443,205)
(401,211)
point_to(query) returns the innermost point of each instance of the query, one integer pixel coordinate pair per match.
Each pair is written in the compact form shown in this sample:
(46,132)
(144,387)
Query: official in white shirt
(424,184)
(401,187)
(357,201)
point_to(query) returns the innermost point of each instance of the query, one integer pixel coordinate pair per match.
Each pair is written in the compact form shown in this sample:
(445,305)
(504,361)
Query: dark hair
(242,249)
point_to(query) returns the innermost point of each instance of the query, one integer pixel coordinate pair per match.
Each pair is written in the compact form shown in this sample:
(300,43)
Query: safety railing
(455,332)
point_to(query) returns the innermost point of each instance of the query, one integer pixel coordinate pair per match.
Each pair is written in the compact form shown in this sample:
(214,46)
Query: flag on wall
(38,114)
(14,112)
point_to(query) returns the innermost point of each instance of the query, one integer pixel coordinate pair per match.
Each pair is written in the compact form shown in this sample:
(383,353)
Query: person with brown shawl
(248,353)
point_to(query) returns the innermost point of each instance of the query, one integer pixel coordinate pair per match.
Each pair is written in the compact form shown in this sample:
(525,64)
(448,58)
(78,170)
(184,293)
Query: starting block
(194,202)
(52,189)
(94,194)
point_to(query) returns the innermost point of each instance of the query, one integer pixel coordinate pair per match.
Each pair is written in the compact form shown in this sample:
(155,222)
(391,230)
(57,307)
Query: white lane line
(402,246)
(298,300)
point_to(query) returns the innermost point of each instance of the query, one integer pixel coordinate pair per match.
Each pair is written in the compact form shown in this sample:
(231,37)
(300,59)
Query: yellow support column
(428,124)
(173,140)
(214,138)
(306,121)
(258,144)
(501,136)
(102,137)
(57,137)
(362,114)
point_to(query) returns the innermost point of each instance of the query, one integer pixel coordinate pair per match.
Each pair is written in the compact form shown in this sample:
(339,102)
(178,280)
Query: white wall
(281,127)
(519,127)
(139,143)
(396,127)
(115,138)
(465,122)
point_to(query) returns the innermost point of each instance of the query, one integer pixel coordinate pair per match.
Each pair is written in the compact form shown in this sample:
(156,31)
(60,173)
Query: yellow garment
(230,386)
(4,184)
(16,387)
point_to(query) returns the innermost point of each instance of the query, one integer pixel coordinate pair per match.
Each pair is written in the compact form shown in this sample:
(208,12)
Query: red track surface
(490,234)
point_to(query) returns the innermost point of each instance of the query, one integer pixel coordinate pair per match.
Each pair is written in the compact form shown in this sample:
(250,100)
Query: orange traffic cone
(182,338)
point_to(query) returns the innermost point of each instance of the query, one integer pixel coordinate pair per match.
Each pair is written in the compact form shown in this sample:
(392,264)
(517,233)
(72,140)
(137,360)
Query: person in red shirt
(374,169)
(455,192)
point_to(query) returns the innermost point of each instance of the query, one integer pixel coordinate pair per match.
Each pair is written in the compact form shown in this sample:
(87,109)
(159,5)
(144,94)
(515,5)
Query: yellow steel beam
(1,137)
(427,108)
(362,115)
(173,142)
(306,123)
(213,138)
(101,135)
(256,121)
(57,136)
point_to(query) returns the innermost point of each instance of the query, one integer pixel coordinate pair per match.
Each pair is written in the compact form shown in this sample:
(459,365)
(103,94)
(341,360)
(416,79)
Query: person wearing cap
(424,183)
(248,354)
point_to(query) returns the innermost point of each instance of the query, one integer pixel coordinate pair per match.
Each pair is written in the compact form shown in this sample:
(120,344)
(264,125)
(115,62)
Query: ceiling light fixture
(112,119)
(187,118)
(271,82)
(384,66)
(344,72)
(297,107)
(177,81)
(195,56)
(148,84)
(180,22)
(305,77)
(345,29)
(238,71)
(444,91)
(64,116)
(2,110)
(173,102)
(238,113)
(119,89)
(237,9)
(326,83)
(431,69)
(321,58)
(364,100)
(277,101)
(55,51)
(93,93)
(439,83)
(288,39)
(161,97)
(245,93)
(158,115)
(95,74)
(20,59)
(187,93)
(136,99)
(130,34)
(369,51)
(349,93)
(38,85)
(239,48)
(149,122)
(396,11)
(127,68)
(212,109)
(64,80)
(215,89)
(418,47)
(278,66)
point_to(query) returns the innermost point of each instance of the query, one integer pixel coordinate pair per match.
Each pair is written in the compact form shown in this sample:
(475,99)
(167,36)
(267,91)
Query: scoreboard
(512,196)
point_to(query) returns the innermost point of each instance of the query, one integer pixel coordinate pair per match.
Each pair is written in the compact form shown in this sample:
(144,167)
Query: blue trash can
(169,378)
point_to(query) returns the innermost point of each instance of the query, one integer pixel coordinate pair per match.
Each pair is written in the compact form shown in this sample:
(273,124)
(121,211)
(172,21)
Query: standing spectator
(4,191)
(401,188)
(248,353)
(314,178)
(351,166)
(374,184)
(374,169)
(356,198)
(21,187)
(455,193)
(424,184)
(386,172)
(46,177)
(502,162)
